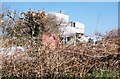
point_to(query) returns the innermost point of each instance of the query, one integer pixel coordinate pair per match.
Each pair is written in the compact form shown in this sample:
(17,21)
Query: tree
(30,22)
(34,21)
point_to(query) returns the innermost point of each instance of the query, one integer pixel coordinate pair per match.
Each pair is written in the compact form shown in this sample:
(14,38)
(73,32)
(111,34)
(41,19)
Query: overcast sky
(84,12)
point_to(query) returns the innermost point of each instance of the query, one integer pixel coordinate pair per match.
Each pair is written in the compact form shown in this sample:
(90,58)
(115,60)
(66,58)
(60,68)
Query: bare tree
(52,24)
(39,22)
(31,22)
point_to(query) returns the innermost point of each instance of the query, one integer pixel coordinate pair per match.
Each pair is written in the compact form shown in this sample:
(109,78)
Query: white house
(68,29)
(71,31)
(72,28)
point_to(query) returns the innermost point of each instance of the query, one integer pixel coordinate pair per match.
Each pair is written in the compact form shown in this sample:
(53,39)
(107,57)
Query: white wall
(70,30)
(80,26)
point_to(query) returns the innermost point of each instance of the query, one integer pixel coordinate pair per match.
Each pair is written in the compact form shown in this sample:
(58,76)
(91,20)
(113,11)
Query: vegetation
(83,60)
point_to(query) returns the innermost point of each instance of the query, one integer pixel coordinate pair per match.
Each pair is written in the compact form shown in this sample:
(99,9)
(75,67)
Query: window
(74,24)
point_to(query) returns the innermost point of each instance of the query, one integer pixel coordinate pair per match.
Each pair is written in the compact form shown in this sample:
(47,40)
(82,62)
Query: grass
(104,74)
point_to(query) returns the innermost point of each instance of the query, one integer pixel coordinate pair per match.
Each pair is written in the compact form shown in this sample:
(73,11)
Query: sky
(60,0)
(84,12)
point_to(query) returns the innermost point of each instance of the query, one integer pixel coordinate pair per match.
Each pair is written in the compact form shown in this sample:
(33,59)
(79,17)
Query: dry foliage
(78,59)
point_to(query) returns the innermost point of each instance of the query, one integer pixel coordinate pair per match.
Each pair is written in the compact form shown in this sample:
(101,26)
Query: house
(69,31)
(72,31)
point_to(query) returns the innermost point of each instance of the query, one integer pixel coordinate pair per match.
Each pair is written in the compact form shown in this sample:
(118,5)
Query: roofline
(56,12)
